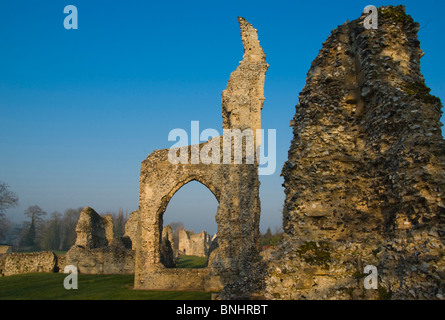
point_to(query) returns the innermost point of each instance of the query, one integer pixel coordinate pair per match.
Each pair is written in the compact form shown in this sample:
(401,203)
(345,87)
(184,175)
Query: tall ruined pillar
(237,258)
(243,98)
(234,266)
(365,178)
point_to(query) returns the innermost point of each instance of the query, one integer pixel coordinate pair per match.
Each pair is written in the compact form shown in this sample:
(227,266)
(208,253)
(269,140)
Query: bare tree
(68,228)
(36,214)
(8,200)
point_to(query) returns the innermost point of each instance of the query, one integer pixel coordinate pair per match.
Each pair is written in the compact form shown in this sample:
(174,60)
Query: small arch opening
(189,227)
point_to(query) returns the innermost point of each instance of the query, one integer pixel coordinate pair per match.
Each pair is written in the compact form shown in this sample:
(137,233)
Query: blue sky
(80,109)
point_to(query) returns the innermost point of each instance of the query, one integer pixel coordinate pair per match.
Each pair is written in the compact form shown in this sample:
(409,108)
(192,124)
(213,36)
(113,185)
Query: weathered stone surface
(90,230)
(5,249)
(109,227)
(96,251)
(168,257)
(19,263)
(194,244)
(117,258)
(243,98)
(131,227)
(236,187)
(365,177)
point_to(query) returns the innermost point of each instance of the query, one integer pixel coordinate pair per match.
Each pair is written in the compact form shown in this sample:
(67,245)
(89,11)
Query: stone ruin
(194,244)
(96,251)
(235,186)
(14,263)
(364,184)
(365,177)
(147,247)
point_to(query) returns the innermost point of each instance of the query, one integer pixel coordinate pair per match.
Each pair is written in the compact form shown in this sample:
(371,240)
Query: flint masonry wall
(365,178)
(95,250)
(236,187)
(19,263)
(194,244)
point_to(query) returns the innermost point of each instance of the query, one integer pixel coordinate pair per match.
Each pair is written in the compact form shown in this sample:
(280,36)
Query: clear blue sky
(80,109)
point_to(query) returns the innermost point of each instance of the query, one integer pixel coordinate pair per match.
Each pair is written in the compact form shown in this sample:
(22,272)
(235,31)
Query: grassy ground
(191,262)
(49,286)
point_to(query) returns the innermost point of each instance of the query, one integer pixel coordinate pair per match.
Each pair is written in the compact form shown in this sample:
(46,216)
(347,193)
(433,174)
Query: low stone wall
(107,260)
(61,262)
(19,263)
(182,279)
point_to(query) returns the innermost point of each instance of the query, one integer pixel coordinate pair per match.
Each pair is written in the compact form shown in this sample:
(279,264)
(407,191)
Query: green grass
(49,286)
(191,262)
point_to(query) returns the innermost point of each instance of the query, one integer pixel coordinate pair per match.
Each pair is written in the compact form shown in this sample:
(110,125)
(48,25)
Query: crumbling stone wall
(19,263)
(131,227)
(5,249)
(117,258)
(108,226)
(365,177)
(168,255)
(90,229)
(96,251)
(235,186)
(194,244)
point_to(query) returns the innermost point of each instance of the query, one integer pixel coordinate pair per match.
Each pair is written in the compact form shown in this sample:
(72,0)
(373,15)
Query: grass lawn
(191,262)
(49,286)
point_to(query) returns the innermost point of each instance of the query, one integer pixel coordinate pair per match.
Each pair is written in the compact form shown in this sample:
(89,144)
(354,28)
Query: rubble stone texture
(131,227)
(116,258)
(194,244)
(96,251)
(168,256)
(90,229)
(108,226)
(235,186)
(365,177)
(19,263)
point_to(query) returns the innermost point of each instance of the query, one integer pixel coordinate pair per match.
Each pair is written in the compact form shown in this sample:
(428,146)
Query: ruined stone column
(365,178)
(235,264)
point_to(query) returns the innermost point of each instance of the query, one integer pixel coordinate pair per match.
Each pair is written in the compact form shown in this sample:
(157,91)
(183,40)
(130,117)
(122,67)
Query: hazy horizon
(81,109)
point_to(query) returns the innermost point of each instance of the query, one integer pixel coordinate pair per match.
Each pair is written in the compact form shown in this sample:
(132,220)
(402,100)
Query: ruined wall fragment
(90,230)
(96,251)
(365,176)
(194,244)
(236,261)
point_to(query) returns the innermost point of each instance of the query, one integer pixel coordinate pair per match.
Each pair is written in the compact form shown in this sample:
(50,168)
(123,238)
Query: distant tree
(268,233)
(68,228)
(50,239)
(269,239)
(8,200)
(5,225)
(36,214)
(119,224)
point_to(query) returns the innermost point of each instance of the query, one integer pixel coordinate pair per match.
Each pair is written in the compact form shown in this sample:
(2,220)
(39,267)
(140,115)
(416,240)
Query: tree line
(41,231)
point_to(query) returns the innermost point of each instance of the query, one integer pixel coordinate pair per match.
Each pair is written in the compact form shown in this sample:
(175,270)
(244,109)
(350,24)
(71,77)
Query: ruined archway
(189,226)
(235,186)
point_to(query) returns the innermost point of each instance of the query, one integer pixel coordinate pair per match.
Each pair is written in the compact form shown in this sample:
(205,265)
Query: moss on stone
(421,91)
(396,14)
(359,275)
(314,253)
(384,294)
